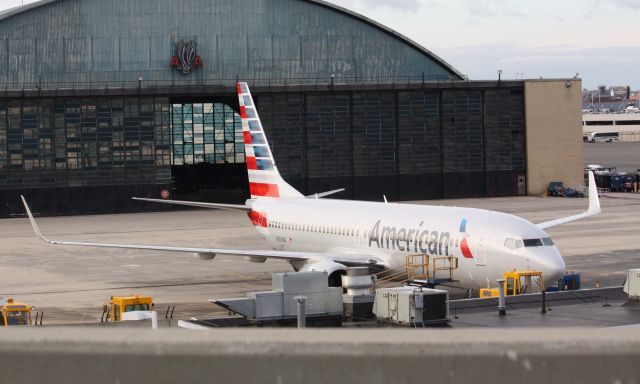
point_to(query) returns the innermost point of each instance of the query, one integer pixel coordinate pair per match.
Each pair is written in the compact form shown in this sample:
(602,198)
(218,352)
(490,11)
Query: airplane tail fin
(264,178)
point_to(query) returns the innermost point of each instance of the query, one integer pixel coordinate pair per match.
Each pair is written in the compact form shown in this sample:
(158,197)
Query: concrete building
(553,110)
(101,100)
(626,125)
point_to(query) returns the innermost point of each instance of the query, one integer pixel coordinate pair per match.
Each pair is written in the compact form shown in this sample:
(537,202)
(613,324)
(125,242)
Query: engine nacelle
(333,269)
(205,256)
(256,259)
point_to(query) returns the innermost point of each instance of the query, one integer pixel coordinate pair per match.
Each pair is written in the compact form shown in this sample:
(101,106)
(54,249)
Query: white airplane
(316,234)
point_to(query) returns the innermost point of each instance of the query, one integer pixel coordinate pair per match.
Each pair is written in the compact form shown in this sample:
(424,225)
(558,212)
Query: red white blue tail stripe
(264,178)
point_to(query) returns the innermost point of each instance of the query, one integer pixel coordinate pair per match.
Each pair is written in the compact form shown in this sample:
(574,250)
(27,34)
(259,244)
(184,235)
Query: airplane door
(481,246)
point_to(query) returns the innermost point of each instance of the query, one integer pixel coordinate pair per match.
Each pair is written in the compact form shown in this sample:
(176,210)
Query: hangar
(101,100)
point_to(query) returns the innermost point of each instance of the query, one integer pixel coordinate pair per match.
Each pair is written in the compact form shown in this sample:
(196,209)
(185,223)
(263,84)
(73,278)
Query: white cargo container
(412,306)
(632,285)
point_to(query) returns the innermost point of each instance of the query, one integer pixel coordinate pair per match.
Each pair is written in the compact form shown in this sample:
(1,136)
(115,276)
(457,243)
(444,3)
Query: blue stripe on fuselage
(463,226)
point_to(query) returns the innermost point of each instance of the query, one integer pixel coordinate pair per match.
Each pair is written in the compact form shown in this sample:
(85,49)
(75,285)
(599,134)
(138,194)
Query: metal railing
(43,85)
(419,267)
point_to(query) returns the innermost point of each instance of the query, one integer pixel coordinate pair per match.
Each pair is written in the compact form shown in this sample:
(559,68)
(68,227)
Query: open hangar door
(207,150)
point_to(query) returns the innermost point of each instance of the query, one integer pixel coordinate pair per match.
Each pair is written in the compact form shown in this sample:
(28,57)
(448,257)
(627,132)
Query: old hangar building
(101,100)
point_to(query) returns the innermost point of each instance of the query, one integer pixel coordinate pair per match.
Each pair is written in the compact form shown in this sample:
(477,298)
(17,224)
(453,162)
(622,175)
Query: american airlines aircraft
(317,234)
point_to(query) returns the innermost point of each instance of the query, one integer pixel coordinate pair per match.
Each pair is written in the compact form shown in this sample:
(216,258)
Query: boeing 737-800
(317,234)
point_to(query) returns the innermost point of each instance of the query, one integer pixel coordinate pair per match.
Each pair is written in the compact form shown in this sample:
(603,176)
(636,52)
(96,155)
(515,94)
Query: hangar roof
(446,68)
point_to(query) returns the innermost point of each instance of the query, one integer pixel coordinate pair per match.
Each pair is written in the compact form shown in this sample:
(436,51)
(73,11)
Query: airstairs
(420,269)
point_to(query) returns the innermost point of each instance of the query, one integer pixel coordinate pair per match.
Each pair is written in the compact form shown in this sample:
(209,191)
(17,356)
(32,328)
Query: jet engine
(205,256)
(256,259)
(333,269)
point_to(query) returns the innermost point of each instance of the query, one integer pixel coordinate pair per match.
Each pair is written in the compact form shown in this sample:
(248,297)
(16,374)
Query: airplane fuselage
(486,243)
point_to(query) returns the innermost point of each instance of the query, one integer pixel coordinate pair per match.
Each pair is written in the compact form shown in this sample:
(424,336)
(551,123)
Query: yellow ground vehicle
(14,313)
(121,304)
(517,283)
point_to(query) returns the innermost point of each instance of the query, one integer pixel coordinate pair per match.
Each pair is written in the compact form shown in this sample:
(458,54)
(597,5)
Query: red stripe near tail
(258,219)
(261,189)
(247,137)
(251,163)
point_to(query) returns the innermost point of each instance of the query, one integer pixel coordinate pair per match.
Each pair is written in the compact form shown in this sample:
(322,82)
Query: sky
(597,39)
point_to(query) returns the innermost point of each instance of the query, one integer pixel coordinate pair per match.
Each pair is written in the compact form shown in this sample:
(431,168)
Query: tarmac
(70,284)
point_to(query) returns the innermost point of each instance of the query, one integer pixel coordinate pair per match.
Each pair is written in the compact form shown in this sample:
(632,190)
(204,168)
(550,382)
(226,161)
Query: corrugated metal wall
(409,144)
(121,40)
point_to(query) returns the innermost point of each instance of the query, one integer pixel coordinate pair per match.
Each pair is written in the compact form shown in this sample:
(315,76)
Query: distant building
(608,99)
(626,124)
(607,94)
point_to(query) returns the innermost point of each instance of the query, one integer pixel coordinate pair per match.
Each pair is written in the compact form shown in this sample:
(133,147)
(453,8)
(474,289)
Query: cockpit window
(512,243)
(532,242)
(547,242)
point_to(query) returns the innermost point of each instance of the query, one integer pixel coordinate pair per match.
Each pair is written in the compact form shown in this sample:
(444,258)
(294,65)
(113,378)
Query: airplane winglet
(33,221)
(594,199)
(594,207)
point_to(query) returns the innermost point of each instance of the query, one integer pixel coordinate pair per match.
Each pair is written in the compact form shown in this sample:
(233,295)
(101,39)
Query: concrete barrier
(79,355)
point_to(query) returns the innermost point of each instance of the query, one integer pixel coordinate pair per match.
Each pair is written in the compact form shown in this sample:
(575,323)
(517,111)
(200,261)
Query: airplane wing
(209,253)
(232,207)
(594,207)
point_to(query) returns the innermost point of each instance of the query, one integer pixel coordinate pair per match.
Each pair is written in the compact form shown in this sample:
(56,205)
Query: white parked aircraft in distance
(313,233)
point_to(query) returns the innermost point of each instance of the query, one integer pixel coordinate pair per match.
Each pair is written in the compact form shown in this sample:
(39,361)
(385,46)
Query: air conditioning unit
(632,285)
(412,306)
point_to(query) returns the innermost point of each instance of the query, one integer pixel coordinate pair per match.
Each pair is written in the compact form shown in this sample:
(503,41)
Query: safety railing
(419,267)
(141,82)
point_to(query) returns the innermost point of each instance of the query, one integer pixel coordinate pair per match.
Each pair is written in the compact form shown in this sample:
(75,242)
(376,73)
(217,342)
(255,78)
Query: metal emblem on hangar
(185,57)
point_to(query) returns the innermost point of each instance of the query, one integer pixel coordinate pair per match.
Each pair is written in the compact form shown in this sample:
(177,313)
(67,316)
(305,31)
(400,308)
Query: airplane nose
(552,268)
